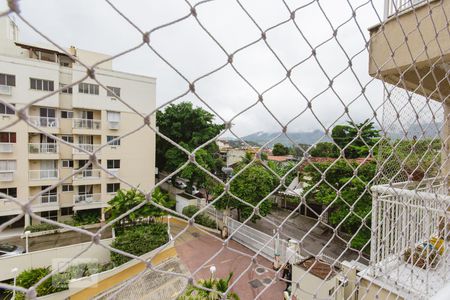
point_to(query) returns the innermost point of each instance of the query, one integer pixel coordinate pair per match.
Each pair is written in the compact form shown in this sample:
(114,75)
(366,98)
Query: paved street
(298,226)
(54,240)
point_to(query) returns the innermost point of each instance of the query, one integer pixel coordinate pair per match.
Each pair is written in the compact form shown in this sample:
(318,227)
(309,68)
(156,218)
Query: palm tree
(219,286)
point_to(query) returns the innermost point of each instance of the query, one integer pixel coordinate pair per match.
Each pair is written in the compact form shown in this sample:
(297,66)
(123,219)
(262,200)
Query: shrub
(28,278)
(138,240)
(41,227)
(86,217)
(201,219)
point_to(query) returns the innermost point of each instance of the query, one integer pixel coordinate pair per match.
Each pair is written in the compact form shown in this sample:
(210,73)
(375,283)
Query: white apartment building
(86,115)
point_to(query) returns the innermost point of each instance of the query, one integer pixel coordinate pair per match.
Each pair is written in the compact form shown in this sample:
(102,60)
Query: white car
(10,250)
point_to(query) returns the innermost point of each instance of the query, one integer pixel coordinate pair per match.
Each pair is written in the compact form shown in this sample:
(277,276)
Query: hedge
(138,240)
(41,227)
(201,219)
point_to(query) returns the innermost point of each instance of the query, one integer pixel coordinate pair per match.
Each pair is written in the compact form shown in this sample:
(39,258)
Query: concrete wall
(49,257)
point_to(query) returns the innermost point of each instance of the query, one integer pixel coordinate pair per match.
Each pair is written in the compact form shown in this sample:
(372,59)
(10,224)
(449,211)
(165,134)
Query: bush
(138,240)
(41,227)
(201,219)
(86,217)
(28,278)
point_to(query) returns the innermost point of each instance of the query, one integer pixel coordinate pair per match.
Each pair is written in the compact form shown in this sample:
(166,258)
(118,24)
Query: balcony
(86,124)
(88,201)
(43,174)
(88,174)
(410,240)
(114,172)
(6,176)
(45,202)
(5,90)
(409,53)
(43,148)
(114,125)
(86,147)
(6,147)
(44,122)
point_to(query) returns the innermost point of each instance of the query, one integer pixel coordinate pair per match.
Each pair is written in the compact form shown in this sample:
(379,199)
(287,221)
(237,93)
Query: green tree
(280,150)
(252,185)
(125,200)
(325,149)
(219,286)
(346,196)
(189,127)
(346,136)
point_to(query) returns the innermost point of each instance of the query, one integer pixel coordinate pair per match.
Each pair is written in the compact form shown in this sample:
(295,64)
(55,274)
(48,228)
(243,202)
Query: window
(67,188)
(112,187)
(41,84)
(12,192)
(67,138)
(113,116)
(88,88)
(5,110)
(67,211)
(113,163)
(115,91)
(7,137)
(66,114)
(7,165)
(66,90)
(51,215)
(6,79)
(67,163)
(110,138)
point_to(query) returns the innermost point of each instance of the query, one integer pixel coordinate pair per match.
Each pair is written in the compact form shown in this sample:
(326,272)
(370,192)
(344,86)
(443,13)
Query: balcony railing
(43,148)
(86,124)
(396,6)
(43,174)
(6,147)
(87,198)
(47,199)
(5,89)
(45,122)
(88,174)
(114,125)
(114,172)
(87,147)
(7,175)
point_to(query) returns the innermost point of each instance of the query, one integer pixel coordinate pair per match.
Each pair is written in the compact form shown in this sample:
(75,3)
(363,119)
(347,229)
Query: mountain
(298,137)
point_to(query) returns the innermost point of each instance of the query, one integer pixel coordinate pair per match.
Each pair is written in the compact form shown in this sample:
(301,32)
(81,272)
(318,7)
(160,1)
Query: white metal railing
(88,174)
(48,199)
(87,198)
(43,174)
(396,6)
(113,125)
(44,122)
(6,147)
(86,123)
(87,147)
(7,175)
(5,89)
(115,172)
(43,148)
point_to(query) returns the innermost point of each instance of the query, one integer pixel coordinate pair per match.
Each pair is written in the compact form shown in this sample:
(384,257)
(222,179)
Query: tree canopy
(280,150)
(355,138)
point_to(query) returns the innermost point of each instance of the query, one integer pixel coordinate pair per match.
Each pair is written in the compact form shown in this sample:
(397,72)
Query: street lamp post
(14,271)
(27,233)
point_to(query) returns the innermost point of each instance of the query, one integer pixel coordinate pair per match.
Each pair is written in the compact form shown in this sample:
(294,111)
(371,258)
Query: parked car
(180,184)
(10,250)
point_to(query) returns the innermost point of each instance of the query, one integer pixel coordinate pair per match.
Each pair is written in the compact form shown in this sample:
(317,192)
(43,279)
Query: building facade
(84,115)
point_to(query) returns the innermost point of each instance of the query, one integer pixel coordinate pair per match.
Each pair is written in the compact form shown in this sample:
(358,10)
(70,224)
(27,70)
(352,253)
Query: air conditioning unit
(5,89)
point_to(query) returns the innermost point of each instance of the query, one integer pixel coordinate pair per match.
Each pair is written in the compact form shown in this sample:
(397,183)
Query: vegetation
(353,205)
(280,150)
(125,200)
(202,218)
(252,185)
(190,127)
(355,139)
(85,217)
(41,227)
(325,149)
(58,282)
(219,286)
(138,240)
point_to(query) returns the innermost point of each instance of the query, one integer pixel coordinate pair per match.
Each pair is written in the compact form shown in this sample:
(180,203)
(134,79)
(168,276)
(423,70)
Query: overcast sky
(94,25)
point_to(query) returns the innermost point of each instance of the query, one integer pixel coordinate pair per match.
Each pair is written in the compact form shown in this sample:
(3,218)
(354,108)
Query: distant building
(85,115)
